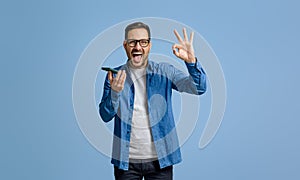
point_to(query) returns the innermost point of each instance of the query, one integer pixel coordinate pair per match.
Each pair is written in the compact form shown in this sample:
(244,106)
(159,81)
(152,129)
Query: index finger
(118,75)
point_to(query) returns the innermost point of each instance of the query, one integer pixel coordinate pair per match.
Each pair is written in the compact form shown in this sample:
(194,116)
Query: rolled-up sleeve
(109,102)
(198,75)
(193,83)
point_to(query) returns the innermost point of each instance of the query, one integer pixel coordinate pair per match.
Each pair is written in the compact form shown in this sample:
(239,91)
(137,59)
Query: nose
(137,45)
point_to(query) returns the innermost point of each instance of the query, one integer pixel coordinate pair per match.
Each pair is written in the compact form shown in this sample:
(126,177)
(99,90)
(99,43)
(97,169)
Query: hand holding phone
(116,82)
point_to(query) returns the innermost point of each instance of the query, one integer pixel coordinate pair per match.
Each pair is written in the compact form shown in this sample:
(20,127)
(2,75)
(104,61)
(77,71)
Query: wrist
(192,60)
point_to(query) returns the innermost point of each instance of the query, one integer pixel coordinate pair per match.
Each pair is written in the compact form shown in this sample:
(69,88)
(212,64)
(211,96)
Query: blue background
(257,43)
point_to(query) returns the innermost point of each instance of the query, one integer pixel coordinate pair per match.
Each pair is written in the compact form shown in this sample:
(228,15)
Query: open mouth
(137,56)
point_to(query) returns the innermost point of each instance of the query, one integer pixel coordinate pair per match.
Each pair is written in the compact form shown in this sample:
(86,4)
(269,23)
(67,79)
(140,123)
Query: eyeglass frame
(137,41)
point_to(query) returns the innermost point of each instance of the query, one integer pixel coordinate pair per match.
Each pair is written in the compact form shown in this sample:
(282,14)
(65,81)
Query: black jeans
(148,170)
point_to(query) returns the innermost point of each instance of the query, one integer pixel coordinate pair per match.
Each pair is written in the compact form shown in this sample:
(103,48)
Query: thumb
(175,50)
(110,78)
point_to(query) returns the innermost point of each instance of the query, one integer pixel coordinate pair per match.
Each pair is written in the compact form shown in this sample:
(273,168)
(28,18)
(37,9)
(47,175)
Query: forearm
(106,110)
(109,103)
(198,75)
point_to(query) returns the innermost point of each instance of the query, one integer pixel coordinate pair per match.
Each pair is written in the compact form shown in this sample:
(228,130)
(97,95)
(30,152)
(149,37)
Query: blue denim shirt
(161,79)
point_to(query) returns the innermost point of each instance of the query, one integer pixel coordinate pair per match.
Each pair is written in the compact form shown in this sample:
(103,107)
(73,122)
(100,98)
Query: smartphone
(114,71)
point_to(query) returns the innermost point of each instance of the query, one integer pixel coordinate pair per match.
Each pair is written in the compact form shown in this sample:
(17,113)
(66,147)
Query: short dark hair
(137,25)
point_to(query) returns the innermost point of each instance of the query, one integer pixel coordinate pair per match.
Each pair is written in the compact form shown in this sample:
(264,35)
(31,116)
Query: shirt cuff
(193,66)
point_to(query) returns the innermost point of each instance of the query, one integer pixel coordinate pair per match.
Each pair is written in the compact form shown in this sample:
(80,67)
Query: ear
(124,44)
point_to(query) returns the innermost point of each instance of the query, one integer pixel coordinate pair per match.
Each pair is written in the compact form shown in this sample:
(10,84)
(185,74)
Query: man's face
(137,52)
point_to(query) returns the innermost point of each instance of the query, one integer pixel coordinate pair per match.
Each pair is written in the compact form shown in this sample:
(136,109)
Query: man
(138,97)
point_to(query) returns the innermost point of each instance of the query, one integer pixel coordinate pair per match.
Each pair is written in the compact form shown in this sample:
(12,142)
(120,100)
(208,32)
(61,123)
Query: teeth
(137,53)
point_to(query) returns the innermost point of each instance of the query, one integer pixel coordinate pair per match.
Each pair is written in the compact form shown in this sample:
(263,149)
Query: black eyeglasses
(133,42)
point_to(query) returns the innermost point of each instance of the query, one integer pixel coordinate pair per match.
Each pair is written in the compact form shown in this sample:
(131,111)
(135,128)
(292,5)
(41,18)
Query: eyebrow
(139,39)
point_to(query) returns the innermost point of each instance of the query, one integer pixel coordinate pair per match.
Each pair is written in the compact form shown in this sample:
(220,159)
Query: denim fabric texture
(161,80)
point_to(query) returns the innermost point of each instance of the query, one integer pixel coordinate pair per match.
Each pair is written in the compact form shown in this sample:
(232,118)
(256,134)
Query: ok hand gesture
(184,50)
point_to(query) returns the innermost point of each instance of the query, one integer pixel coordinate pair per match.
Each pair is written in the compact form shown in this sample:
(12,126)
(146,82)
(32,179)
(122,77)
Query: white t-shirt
(141,141)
